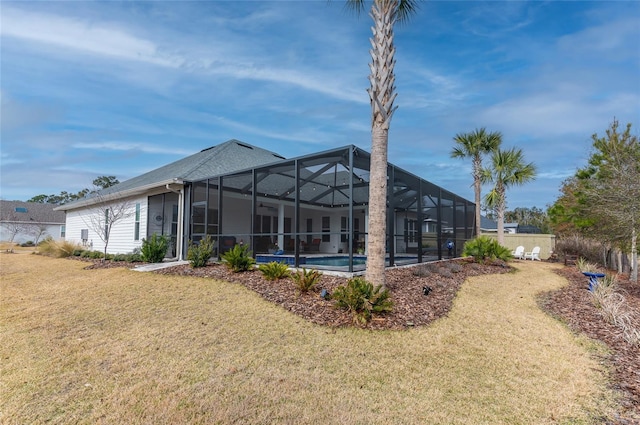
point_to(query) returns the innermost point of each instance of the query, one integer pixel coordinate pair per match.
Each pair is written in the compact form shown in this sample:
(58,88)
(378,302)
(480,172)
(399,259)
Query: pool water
(331,261)
(335,261)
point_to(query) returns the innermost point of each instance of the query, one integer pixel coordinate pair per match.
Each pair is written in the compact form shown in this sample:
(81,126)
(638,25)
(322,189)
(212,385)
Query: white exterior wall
(121,239)
(237,222)
(53,230)
(335,244)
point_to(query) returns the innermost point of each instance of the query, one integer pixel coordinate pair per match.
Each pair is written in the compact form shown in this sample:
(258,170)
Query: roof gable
(224,158)
(228,157)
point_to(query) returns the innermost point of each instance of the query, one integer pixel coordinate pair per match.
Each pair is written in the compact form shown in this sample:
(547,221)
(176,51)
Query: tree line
(100,182)
(602,200)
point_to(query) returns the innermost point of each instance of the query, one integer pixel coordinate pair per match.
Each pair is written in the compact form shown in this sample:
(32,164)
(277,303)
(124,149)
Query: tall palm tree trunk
(477,188)
(381,93)
(500,213)
(377,207)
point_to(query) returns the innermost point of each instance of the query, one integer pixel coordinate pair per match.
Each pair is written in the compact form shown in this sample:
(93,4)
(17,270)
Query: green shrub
(306,280)
(238,259)
(134,258)
(85,254)
(274,270)
(483,248)
(362,299)
(77,252)
(199,253)
(27,244)
(119,257)
(96,255)
(155,248)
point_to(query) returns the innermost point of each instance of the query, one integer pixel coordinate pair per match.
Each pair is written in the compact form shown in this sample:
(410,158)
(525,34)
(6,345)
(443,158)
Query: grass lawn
(117,346)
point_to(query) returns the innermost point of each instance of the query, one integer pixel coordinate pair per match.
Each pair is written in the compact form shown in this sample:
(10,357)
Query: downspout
(180,223)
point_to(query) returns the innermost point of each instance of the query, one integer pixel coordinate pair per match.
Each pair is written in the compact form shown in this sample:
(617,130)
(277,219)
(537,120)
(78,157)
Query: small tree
(105,214)
(13,226)
(37,230)
(612,189)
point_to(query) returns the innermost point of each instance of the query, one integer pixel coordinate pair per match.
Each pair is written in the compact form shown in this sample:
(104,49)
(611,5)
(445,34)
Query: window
(410,230)
(326,229)
(63,231)
(21,209)
(136,230)
(212,221)
(263,224)
(344,229)
(106,224)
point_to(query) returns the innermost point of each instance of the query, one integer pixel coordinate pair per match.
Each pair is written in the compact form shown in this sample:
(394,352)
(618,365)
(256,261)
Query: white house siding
(121,239)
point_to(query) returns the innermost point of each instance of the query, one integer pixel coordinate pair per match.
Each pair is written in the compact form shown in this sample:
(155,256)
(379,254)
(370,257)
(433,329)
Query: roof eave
(117,195)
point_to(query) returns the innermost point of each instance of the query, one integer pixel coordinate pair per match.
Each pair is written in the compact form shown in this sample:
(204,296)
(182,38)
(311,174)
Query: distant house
(528,228)
(490,226)
(487,225)
(29,221)
(511,228)
(298,208)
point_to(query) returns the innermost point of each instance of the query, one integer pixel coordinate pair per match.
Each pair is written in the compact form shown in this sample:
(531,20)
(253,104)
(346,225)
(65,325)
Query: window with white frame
(136,229)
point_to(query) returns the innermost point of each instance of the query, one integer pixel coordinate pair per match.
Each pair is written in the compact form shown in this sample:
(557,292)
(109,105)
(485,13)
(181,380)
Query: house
(21,222)
(303,208)
(488,225)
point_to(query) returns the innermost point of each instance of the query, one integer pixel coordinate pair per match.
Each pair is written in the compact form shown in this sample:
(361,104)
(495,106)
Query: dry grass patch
(115,346)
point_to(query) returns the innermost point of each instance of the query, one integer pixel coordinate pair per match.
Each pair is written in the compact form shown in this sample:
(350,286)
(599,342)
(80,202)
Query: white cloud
(98,39)
(109,40)
(132,146)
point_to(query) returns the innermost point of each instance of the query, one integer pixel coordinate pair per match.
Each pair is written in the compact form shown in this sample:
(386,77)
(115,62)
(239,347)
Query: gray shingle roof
(35,212)
(487,223)
(224,158)
(232,155)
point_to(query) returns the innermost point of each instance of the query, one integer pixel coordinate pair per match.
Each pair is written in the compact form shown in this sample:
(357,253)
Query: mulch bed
(411,306)
(573,305)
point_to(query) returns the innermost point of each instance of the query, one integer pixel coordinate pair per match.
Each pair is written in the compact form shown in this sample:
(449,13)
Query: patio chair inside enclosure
(518,253)
(534,254)
(314,246)
(227,243)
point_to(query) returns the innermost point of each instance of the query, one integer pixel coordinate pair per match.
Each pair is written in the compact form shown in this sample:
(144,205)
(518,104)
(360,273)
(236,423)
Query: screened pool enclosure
(312,211)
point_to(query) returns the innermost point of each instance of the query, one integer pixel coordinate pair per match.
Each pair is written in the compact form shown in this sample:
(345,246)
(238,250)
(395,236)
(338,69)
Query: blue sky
(120,88)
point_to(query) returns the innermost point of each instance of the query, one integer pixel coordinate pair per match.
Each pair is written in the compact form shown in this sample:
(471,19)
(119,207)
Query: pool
(336,261)
(328,261)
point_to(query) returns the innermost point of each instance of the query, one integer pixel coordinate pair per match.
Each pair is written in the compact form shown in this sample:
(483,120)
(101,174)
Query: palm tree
(507,169)
(473,145)
(385,14)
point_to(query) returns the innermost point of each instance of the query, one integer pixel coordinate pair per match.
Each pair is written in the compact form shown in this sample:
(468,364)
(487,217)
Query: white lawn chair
(534,254)
(518,253)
